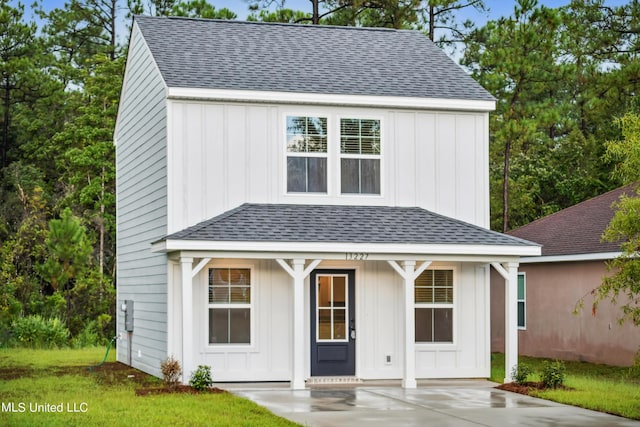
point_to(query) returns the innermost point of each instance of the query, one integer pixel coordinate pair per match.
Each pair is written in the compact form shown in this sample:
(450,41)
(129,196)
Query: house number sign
(357,256)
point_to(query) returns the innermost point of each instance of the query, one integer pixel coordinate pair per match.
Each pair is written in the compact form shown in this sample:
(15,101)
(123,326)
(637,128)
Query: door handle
(353,334)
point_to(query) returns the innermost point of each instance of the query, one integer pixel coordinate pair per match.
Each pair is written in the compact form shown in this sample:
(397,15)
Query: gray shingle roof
(341,224)
(216,54)
(577,229)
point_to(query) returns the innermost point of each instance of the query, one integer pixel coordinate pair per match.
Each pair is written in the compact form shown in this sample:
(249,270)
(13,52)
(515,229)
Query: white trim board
(330,99)
(359,251)
(599,256)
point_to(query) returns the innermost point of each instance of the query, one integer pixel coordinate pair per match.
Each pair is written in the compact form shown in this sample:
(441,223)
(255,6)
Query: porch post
(297,382)
(409,377)
(511,321)
(186,265)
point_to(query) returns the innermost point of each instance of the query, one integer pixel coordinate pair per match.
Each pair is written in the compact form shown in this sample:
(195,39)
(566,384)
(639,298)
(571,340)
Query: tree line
(561,77)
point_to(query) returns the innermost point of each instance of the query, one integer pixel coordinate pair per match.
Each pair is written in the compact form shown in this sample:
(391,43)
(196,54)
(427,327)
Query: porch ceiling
(328,231)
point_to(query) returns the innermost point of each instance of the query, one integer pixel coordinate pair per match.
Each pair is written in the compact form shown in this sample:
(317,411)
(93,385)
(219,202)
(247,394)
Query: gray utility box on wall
(127,307)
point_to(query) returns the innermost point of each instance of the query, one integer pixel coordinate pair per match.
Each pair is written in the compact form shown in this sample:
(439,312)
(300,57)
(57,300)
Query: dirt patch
(15,373)
(109,374)
(528,387)
(115,373)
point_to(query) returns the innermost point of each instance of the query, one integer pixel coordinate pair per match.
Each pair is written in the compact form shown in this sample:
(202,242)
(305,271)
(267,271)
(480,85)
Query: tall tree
(87,166)
(516,60)
(151,7)
(201,9)
(440,16)
(18,72)
(69,254)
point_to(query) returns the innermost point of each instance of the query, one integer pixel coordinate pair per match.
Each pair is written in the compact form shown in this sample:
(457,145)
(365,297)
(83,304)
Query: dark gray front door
(333,327)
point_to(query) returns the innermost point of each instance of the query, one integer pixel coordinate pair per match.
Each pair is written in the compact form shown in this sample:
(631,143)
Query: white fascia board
(600,256)
(330,99)
(345,248)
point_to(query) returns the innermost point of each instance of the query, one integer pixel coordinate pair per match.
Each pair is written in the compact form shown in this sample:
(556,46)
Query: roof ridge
(283,24)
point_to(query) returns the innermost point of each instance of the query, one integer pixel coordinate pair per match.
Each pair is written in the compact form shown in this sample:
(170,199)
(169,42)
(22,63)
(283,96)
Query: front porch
(383,328)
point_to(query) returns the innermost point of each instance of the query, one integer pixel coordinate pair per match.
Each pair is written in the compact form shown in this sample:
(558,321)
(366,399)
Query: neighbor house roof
(577,229)
(341,224)
(237,55)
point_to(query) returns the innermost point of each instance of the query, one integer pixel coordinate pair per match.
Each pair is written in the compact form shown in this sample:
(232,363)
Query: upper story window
(306,154)
(360,156)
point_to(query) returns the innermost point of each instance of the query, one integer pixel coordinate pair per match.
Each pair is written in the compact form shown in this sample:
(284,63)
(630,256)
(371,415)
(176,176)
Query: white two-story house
(299,202)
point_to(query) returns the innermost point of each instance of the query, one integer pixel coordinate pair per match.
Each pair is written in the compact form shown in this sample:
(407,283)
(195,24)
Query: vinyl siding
(141,196)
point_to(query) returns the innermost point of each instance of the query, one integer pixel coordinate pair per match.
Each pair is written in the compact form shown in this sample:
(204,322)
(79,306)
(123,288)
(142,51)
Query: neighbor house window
(360,156)
(522,300)
(306,154)
(229,306)
(433,295)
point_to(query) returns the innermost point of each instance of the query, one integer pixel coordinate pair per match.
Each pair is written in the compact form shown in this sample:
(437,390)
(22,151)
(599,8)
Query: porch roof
(405,229)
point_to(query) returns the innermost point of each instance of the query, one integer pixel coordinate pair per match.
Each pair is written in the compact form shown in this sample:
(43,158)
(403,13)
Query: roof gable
(577,229)
(237,55)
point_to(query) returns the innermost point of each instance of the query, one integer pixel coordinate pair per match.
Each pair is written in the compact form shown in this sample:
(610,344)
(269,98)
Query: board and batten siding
(379,325)
(141,209)
(226,154)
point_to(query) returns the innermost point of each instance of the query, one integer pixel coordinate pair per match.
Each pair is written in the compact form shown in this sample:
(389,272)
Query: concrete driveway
(433,403)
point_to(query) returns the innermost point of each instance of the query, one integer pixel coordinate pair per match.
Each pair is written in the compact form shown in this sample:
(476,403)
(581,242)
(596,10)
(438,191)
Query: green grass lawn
(61,379)
(611,389)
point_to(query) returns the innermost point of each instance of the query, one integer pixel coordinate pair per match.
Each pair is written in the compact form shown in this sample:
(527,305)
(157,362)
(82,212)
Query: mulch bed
(147,391)
(527,387)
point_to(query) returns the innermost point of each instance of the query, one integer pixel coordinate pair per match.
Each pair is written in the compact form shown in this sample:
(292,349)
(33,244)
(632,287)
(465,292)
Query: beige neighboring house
(573,262)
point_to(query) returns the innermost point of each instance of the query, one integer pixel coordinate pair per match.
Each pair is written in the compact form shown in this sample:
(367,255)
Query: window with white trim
(359,156)
(433,295)
(522,301)
(229,306)
(306,154)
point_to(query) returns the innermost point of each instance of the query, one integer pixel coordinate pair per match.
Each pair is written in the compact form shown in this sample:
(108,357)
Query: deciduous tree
(623,286)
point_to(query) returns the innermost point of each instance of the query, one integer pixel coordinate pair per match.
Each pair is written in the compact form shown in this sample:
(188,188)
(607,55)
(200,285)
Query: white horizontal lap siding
(141,196)
(222,155)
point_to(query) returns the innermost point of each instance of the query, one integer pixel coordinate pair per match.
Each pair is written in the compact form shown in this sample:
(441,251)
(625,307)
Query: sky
(497,8)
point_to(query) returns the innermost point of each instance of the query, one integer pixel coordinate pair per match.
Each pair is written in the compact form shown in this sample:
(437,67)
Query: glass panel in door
(332,309)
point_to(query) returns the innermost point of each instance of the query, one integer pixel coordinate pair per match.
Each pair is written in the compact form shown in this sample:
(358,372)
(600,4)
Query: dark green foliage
(37,332)
(560,76)
(553,374)
(201,378)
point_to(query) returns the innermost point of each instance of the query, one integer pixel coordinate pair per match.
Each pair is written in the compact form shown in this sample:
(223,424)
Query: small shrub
(520,373)
(553,374)
(201,378)
(171,372)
